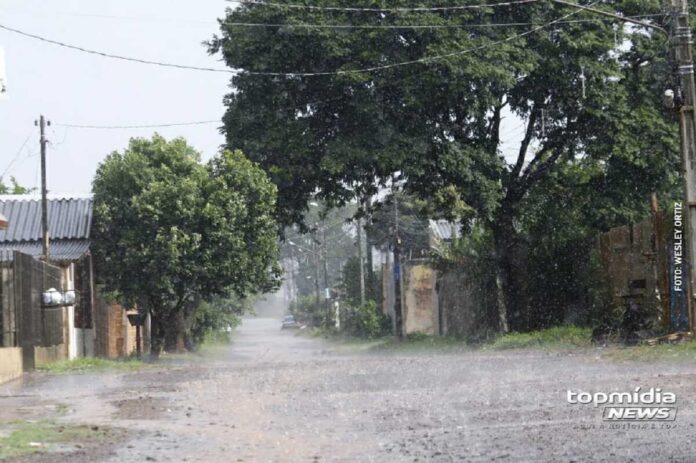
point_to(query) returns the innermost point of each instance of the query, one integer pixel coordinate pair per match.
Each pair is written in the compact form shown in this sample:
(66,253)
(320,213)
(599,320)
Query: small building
(92,326)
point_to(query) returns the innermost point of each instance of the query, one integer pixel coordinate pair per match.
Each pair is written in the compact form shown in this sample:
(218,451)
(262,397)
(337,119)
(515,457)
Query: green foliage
(213,321)
(559,336)
(595,133)
(91,364)
(413,224)
(25,435)
(364,321)
(350,281)
(170,231)
(14,188)
(683,351)
(307,310)
(306,247)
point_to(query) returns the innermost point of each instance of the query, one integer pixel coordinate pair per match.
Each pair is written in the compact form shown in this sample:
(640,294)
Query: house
(92,326)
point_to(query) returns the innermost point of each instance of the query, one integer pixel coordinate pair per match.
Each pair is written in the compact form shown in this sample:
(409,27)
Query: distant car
(289,322)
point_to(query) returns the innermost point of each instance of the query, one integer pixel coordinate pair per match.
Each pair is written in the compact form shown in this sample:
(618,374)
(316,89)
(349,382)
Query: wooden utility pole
(315,252)
(42,123)
(398,318)
(327,294)
(360,261)
(682,52)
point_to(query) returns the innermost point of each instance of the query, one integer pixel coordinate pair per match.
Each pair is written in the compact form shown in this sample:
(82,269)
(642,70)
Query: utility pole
(681,43)
(315,252)
(42,123)
(327,296)
(681,48)
(360,261)
(398,323)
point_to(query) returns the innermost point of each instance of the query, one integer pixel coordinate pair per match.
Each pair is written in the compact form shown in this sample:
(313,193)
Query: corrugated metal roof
(68,218)
(442,229)
(59,250)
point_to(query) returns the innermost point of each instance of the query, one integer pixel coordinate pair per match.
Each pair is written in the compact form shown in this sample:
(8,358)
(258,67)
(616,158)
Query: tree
(170,232)
(436,122)
(330,238)
(14,188)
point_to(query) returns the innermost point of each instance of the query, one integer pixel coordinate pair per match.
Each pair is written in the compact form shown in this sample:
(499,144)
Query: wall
(44,355)
(629,256)
(115,337)
(10,363)
(420,303)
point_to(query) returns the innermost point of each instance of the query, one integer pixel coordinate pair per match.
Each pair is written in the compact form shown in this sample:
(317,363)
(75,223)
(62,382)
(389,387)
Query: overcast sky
(70,87)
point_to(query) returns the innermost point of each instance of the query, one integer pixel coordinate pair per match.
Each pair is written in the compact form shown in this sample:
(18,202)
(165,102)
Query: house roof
(69,222)
(59,250)
(69,218)
(442,229)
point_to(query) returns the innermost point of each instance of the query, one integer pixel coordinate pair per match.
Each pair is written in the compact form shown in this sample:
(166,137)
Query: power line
(112,56)
(383,10)
(416,26)
(16,156)
(426,59)
(142,126)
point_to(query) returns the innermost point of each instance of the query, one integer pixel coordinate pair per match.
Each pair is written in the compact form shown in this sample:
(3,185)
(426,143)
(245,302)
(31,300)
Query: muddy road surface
(273,396)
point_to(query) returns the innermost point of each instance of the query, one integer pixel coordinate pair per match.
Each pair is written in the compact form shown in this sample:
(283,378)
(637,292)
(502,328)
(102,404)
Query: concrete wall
(10,363)
(45,355)
(115,337)
(420,304)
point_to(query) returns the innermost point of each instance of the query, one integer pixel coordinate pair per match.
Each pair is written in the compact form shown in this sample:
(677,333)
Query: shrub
(365,321)
(307,310)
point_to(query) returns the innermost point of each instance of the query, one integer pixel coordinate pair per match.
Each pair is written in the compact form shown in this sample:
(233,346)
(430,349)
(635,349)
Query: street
(278,397)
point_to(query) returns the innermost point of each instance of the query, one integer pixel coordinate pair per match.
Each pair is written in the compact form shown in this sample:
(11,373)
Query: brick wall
(115,337)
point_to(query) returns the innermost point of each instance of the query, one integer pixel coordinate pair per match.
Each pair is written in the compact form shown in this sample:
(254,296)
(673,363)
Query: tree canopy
(170,231)
(428,105)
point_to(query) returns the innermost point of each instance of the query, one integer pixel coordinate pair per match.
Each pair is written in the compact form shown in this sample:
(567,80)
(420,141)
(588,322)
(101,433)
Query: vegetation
(14,188)
(594,140)
(364,321)
(171,232)
(319,251)
(559,336)
(26,437)
(645,353)
(90,364)
(306,309)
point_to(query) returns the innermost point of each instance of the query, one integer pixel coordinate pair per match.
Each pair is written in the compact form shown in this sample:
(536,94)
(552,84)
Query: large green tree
(584,87)
(170,231)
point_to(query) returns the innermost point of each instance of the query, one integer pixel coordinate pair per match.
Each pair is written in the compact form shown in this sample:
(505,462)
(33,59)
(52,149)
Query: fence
(24,322)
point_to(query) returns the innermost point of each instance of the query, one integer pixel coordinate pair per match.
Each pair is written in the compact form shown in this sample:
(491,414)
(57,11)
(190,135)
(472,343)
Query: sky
(74,88)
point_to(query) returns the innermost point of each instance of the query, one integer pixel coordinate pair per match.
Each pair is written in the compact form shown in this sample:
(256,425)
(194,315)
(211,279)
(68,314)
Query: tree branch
(524,146)
(494,126)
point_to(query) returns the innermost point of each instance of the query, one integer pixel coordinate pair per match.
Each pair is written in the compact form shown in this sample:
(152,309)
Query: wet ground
(274,396)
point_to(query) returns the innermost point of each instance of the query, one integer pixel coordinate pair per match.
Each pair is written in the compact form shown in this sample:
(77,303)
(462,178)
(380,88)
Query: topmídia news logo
(652,404)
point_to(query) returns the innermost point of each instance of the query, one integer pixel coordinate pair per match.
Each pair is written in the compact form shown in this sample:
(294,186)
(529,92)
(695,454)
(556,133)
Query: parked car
(289,322)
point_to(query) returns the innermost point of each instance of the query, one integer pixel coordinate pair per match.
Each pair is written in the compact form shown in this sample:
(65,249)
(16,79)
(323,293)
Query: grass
(561,337)
(28,437)
(567,336)
(91,364)
(421,342)
(647,353)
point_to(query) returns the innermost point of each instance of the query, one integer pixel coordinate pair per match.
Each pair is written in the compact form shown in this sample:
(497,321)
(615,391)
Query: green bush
(365,321)
(307,310)
(559,336)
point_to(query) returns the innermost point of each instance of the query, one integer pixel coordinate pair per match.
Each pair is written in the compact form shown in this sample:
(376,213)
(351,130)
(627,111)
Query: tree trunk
(511,273)
(175,332)
(156,336)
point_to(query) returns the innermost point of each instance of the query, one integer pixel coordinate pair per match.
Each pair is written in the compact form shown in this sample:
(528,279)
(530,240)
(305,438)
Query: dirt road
(278,397)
